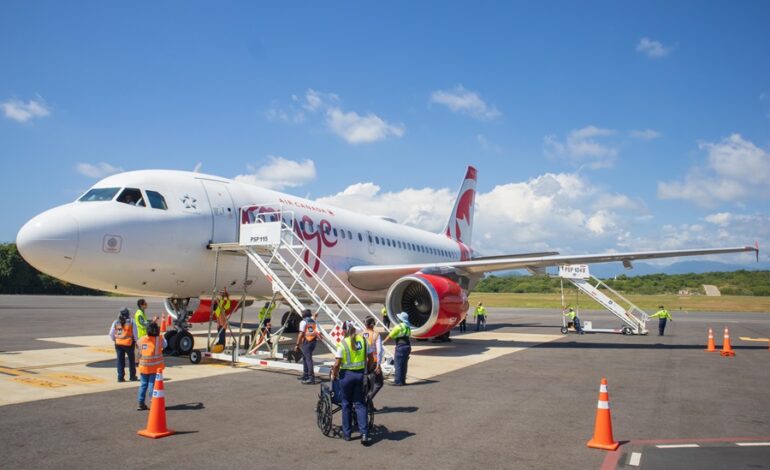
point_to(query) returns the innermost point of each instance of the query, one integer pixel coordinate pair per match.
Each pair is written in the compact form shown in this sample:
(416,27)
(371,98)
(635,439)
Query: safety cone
(711,347)
(163,325)
(156,421)
(727,350)
(603,428)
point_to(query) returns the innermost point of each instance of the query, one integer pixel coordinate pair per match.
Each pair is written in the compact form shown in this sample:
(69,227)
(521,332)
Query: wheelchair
(330,402)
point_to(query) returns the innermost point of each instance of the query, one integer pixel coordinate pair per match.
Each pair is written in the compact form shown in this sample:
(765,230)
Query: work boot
(134,379)
(365,440)
(142,407)
(121,379)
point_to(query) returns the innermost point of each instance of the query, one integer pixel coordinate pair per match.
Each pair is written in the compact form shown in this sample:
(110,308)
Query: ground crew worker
(122,333)
(463,324)
(140,319)
(663,316)
(352,357)
(265,313)
(307,340)
(374,341)
(385,317)
(221,307)
(150,361)
(481,317)
(401,334)
(574,319)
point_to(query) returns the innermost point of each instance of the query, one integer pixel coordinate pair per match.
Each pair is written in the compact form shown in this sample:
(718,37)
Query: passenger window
(99,194)
(388,240)
(360,238)
(342,232)
(131,196)
(335,232)
(157,201)
(377,240)
(350,235)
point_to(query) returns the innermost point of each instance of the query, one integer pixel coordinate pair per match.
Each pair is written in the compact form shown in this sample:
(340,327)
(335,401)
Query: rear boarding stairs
(633,317)
(268,240)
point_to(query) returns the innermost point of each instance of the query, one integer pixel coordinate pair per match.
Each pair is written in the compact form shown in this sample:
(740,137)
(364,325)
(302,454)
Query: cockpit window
(99,194)
(131,196)
(157,201)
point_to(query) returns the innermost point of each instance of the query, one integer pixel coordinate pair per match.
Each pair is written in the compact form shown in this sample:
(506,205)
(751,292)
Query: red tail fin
(459,227)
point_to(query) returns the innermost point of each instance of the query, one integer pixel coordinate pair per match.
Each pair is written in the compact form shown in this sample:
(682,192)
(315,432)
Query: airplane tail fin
(459,227)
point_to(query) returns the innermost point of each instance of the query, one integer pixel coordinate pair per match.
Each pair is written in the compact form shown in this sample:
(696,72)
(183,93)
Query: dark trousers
(402,362)
(376,386)
(122,352)
(481,322)
(463,326)
(386,321)
(307,365)
(662,326)
(578,327)
(352,384)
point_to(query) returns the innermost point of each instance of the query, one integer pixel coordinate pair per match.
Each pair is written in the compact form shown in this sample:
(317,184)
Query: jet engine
(435,304)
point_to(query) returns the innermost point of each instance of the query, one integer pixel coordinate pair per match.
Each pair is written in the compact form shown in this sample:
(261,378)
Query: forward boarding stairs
(282,256)
(633,317)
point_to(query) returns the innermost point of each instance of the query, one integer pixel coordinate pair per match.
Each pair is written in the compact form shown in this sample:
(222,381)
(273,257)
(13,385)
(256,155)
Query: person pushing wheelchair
(353,359)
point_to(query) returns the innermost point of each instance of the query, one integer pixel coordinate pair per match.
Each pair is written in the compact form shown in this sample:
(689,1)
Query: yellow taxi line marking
(36,382)
(761,340)
(14,372)
(79,379)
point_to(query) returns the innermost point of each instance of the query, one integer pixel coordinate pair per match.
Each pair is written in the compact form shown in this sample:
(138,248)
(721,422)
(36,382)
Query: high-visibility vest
(571,314)
(400,331)
(662,314)
(384,312)
(218,310)
(311,330)
(480,311)
(150,354)
(124,334)
(353,354)
(141,323)
(371,338)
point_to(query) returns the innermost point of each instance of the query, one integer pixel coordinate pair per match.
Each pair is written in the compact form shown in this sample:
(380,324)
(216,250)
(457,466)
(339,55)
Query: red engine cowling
(203,312)
(435,304)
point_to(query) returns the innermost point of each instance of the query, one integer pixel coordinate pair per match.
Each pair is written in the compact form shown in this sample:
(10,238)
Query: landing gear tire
(291,320)
(196,357)
(564,330)
(170,337)
(184,343)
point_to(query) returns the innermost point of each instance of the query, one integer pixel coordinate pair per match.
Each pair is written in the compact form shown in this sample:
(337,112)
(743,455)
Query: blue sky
(603,126)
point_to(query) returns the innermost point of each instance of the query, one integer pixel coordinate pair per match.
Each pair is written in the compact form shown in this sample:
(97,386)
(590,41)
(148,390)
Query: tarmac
(518,395)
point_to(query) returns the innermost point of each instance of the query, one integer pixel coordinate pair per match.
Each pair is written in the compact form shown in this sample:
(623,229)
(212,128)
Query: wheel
(170,337)
(196,357)
(564,330)
(323,413)
(627,331)
(292,320)
(184,343)
(371,420)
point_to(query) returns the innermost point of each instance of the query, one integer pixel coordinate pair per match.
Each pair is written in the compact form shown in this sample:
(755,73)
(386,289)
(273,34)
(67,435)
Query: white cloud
(720,218)
(488,146)
(356,129)
(647,134)
(583,147)
(279,173)
(652,49)
(460,100)
(100,170)
(351,126)
(735,170)
(20,111)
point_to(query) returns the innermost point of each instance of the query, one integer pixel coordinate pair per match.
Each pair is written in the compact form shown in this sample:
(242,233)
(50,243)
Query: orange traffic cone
(711,347)
(727,350)
(163,325)
(156,421)
(603,428)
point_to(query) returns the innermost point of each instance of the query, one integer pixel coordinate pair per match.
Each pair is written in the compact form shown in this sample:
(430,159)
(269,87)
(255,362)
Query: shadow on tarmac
(381,433)
(186,407)
(396,409)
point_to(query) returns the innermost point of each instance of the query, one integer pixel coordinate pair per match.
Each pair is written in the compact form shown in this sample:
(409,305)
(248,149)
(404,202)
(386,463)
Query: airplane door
(224,227)
(370,239)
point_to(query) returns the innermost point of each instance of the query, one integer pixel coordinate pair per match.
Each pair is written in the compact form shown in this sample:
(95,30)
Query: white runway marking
(636,457)
(752,444)
(676,446)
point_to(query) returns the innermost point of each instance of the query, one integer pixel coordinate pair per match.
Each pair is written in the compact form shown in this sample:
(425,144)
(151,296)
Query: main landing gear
(179,340)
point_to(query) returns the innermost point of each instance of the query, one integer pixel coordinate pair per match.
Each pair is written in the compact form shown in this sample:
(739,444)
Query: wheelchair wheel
(370,415)
(324,413)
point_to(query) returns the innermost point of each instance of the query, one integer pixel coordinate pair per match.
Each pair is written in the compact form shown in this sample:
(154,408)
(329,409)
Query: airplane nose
(49,242)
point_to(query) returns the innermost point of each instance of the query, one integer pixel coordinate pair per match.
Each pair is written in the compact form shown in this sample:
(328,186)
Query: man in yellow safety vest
(352,359)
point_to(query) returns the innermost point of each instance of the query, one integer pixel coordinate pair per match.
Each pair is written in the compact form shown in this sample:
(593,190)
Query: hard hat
(403,316)
(125,313)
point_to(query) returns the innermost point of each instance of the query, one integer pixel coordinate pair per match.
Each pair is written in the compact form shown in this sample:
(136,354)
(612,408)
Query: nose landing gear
(179,340)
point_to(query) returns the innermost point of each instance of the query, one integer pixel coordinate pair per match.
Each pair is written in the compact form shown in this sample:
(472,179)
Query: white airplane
(147,233)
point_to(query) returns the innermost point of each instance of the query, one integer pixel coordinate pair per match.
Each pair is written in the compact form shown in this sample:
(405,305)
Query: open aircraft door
(224,223)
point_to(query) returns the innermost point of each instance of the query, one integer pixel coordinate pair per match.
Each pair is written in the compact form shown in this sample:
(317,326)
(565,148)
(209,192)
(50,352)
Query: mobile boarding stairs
(633,318)
(269,241)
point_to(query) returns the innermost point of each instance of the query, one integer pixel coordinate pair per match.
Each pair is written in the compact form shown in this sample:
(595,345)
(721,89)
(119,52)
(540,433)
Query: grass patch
(648,303)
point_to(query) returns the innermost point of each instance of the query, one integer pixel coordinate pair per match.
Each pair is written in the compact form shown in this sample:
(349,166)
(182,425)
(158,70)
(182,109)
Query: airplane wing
(382,276)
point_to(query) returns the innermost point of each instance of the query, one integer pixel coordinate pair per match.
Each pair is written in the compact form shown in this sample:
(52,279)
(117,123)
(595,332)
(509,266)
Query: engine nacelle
(435,304)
